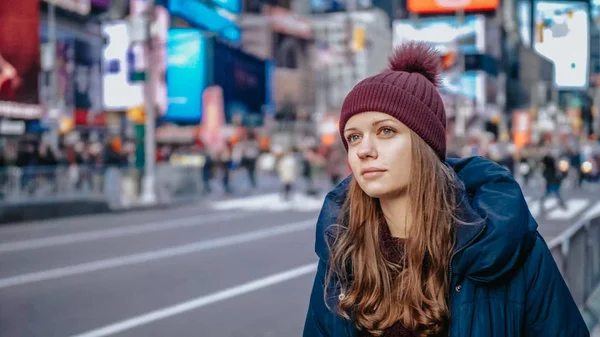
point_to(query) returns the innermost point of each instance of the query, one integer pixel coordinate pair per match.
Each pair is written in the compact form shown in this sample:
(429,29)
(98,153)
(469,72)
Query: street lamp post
(53,113)
(148,194)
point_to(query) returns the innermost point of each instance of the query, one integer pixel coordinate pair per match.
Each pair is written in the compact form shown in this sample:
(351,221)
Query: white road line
(155,255)
(574,207)
(116,232)
(271,203)
(550,203)
(200,302)
(534,208)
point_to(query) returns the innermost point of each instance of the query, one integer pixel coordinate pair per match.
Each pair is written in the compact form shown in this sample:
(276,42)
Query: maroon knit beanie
(406,91)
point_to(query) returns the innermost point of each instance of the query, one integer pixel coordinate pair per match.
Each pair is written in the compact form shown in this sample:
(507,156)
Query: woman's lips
(372,173)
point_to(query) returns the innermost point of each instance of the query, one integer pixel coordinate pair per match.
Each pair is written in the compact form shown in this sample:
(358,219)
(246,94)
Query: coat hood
(501,236)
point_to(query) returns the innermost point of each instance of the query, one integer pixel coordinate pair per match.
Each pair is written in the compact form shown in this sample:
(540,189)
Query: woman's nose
(366,149)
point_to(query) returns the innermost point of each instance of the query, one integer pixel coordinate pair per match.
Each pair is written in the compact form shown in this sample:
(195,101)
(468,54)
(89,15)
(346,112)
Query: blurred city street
(235,267)
(163,162)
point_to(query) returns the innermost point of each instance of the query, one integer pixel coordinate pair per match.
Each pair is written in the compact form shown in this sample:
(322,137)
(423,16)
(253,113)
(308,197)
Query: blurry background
(163,162)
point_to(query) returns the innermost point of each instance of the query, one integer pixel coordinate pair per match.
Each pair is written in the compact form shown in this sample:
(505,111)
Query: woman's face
(379,152)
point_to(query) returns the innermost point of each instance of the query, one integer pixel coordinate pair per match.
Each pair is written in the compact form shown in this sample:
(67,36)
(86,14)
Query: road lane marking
(101,234)
(155,255)
(271,203)
(574,206)
(200,302)
(534,208)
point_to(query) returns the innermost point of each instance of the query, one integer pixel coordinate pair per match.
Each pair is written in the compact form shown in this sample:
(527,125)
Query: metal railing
(119,187)
(577,254)
(39,183)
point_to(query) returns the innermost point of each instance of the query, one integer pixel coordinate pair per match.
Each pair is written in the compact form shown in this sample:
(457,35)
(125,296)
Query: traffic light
(136,114)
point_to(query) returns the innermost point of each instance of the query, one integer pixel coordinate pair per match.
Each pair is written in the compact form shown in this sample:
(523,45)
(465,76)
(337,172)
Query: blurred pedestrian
(207,171)
(287,170)
(414,245)
(553,177)
(225,164)
(250,153)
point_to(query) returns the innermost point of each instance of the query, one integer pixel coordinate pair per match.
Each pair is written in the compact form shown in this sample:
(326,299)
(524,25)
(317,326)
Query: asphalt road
(227,269)
(239,267)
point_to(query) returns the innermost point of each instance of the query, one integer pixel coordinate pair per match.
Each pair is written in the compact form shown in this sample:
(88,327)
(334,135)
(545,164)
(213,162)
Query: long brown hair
(377,292)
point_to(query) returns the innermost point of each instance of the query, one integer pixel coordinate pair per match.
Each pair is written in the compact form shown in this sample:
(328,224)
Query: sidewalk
(39,209)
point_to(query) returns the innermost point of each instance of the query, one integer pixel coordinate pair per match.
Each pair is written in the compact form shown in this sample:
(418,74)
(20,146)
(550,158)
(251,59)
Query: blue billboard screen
(186,75)
(201,15)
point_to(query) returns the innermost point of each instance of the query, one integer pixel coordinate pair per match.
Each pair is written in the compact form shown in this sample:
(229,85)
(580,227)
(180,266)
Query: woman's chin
(381,189)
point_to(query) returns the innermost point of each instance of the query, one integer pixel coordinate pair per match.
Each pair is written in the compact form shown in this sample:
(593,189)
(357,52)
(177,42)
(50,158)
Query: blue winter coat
(504,280)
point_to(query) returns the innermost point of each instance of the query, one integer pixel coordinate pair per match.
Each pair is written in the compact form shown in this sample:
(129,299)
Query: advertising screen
(561,27)
(453,39)
(88,77)
(202,15)
(119,93)
(186,75)
(243,78)
(447,6)
(19,58)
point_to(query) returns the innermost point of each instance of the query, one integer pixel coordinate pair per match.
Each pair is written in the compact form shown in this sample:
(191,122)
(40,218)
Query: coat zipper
(452,258)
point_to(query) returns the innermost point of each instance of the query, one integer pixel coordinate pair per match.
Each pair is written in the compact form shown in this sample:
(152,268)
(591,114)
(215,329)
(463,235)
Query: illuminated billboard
(186,75)
(119,92)
(202,15)
(449,6)
(562,35)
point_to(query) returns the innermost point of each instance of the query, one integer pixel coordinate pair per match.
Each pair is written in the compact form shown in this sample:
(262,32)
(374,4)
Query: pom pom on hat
(417,57)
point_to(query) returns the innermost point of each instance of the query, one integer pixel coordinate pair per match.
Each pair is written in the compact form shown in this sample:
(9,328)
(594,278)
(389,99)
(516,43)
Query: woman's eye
(352,138)
(387,131)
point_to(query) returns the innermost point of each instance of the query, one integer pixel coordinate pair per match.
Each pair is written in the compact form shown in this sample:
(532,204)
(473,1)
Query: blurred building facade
(286,60)
(350,46)
(272,30)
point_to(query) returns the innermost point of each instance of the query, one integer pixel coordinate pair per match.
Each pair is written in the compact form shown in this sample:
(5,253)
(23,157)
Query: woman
(411,245)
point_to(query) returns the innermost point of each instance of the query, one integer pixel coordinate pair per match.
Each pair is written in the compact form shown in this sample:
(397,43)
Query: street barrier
(577,254)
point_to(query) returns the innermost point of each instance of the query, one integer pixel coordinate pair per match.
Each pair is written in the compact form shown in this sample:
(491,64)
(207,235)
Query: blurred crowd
(310,166)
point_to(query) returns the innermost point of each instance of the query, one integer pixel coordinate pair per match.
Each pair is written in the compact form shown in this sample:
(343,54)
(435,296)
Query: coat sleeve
(316,324)
(550,310)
